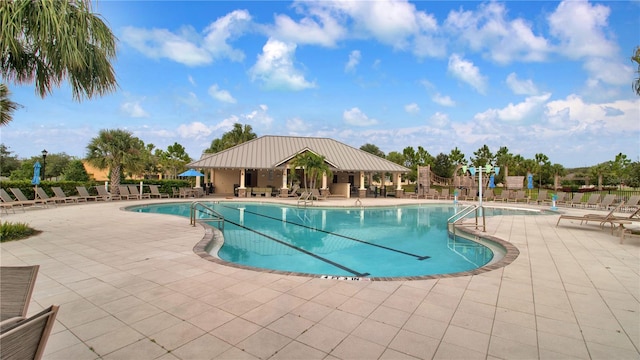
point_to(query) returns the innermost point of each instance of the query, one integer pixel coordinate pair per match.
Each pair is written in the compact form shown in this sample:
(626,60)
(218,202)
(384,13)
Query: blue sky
(535,76)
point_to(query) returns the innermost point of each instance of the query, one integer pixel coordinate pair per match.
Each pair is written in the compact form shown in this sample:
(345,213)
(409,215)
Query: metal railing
(460,216)
(210,215)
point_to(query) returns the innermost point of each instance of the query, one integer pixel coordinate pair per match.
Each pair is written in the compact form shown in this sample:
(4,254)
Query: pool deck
(130,286)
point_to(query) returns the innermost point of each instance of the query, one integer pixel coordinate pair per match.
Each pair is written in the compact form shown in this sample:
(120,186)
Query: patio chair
(103,193)
(444,194)
(125,194)
(9,203)
(520,196)
(432,194)
(592,202)
(59,193)
(607,201)
(16,287)
(633,203)
(503,196)
(561,198)
(22,198)
(40,193)
(83,194)
(133,190)
(576,200)
(155,192)
(293,191)
(542,198)
(27,339)
(592,217)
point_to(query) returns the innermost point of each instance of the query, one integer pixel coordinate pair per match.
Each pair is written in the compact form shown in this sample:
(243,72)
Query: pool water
(400,241)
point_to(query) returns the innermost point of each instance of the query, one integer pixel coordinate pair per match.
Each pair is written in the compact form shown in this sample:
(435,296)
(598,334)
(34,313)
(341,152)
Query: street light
(487,169)
(44,162)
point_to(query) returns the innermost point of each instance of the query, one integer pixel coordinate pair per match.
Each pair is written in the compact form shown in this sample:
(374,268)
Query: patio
(130,287)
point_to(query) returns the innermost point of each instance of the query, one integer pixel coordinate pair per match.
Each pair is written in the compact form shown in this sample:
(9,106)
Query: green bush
(15,231)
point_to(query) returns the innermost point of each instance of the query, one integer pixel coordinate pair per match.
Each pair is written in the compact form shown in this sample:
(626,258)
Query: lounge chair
(519,196)
(155,192)
(16,287)
(576,200)
(133,190)
(83,194)
(607,201)
(27,339)
(40,193)
(444,194)
(125,194)
(22,198)
(542,197)
(561,198)
(593,217)
(592,202)
(59,193)
(9,203)
(102,192)
(318,196)
(488,195)
(293,192)
(432,194)
(633,203)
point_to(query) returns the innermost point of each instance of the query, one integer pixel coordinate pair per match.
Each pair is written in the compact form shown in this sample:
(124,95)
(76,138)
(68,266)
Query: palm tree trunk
(115,179)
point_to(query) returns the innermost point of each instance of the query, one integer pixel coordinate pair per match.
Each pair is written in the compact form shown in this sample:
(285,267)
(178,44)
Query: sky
(535,76)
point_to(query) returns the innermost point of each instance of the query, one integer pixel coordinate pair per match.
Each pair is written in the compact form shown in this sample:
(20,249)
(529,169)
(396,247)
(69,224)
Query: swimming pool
(400,241)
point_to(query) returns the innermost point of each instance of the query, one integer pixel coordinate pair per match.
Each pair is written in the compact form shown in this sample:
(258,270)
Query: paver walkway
(130,287)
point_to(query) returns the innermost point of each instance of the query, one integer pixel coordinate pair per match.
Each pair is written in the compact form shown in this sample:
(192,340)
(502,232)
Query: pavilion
(265,162)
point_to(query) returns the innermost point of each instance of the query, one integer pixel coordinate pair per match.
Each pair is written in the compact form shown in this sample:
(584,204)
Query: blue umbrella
(36,174)
(191,172)
(492,181)
(530,181)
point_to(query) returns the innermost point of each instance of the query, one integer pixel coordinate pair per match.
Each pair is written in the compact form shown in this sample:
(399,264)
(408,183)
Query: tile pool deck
(131,287)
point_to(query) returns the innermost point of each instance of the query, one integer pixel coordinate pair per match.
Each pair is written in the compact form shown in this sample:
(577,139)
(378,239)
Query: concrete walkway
(130,287)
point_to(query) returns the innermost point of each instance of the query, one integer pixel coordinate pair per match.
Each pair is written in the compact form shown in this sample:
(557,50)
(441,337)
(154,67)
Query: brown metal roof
(270,152)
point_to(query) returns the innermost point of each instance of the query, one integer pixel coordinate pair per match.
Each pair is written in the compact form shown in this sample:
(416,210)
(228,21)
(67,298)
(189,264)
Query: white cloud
(515,112)
(191,80)
(275,67)
(187,46)
(502,40)
(195,130)
(579,26)
(354,60)
(467,72)
(576,115)
(356,117)
(325,31)
(259,117)
(439,120)
(224,29)
(521,87)
(221,95)
(412,108)
(134,109)
(297,126)
(442,100)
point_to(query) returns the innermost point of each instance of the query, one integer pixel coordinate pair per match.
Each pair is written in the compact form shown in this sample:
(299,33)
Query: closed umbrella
(492,181)
(36,174)
(530,183)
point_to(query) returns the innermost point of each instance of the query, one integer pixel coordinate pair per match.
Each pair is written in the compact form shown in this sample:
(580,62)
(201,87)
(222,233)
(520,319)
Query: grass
(16,231)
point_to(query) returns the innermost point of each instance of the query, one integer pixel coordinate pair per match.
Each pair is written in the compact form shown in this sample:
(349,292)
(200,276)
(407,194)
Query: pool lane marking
(354,272)
(418,257)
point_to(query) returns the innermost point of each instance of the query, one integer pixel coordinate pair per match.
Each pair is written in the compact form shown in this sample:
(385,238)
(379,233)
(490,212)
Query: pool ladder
(210,215)
(458,218)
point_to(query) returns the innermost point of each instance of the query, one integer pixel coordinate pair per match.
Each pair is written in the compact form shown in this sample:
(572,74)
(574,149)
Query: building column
(398,182)
(284,191)
(198,180)
(242,191)
(362,191)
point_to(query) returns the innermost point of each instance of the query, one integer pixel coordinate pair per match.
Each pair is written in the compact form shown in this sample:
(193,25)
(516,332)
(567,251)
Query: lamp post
(44,163)
(487,169)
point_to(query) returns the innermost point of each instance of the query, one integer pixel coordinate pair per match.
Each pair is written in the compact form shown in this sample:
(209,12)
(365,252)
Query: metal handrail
(458,217)
(215,216)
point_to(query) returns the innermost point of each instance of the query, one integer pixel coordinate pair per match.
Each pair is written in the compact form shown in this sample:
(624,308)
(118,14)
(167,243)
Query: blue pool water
(373,242)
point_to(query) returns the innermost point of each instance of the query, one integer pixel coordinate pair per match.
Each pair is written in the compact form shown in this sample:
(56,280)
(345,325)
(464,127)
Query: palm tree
(49,41)
(313,166)
(116,150)
(7,107)
(636,82)
(231,138)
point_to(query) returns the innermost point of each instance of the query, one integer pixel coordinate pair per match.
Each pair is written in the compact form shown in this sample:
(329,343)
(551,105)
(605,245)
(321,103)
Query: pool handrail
(456,219)
(198,206)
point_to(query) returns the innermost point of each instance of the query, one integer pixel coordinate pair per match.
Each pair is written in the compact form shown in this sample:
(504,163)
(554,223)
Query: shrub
(15,231)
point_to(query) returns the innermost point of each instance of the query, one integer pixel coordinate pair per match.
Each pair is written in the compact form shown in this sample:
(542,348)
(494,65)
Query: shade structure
(191,172)
(36,174)
(530,181)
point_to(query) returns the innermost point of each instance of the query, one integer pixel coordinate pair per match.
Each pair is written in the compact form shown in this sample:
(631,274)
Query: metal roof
(270,152)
